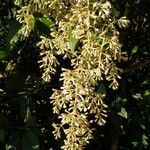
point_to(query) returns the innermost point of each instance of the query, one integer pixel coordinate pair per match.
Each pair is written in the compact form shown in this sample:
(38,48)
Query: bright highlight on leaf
(46,21)
(135,49)
(123,113)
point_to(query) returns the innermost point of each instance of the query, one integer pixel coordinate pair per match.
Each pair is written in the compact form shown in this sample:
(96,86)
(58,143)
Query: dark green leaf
(43,24)
(4,123)
(14,27)
(101,89)
(38,132)
(15,82)
(42,29)
(2,135)
(22,107)
(30,141)
(29,118)
(3,53)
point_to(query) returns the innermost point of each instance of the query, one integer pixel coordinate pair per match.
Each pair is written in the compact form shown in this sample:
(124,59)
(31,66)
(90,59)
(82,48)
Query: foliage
(78,56)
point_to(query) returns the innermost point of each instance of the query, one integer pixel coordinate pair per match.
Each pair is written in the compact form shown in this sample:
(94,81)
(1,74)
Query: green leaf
(46,21)
(29,119)
(2,135)
(43,28)
(43,24)
(73,43)
(101,89)
(15,82)
(30,141)
(142,126)
(14,27)
(147,93)
(3,53)
(134,50)
(4,123)
(144,140)
(146,82)
(123,113)
(25,113)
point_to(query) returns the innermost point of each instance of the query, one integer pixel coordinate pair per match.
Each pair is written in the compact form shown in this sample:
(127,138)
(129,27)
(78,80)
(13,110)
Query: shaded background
(25,110)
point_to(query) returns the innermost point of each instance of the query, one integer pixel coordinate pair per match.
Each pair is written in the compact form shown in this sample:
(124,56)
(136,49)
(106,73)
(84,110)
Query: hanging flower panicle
(85,32)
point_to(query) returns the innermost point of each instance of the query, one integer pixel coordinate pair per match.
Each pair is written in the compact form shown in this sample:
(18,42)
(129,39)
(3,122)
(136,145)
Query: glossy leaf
(43,24)
(46,21)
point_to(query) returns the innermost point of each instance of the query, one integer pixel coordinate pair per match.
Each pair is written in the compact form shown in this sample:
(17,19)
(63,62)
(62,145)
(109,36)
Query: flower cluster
(85,33)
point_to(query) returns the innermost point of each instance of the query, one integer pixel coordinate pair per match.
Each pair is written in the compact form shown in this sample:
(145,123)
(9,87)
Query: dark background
(23,95)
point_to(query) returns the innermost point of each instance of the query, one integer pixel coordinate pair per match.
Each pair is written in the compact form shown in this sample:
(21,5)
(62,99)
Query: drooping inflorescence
(85,32)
